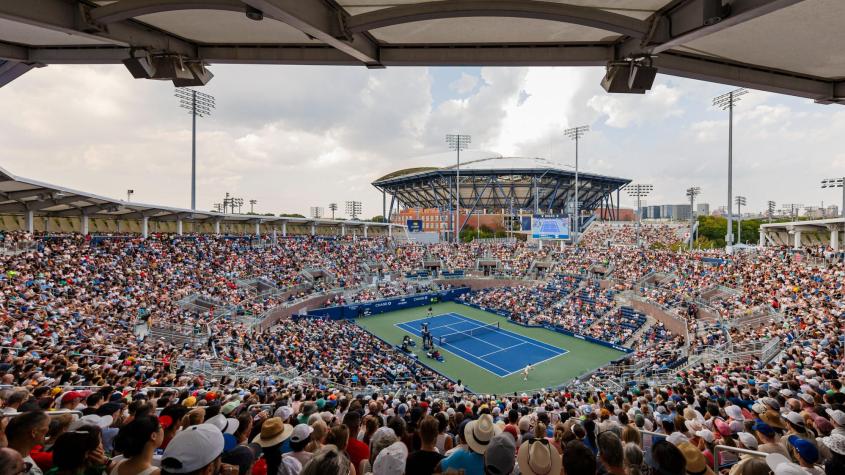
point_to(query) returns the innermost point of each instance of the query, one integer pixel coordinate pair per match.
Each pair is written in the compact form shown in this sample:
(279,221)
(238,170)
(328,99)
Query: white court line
(479,324)
(450,314)
(524,339)
(503,349)
(473,337)
(454,350)
(538,363)
(451,348)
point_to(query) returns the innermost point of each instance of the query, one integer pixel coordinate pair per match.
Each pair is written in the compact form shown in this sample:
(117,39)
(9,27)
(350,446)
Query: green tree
(377,219)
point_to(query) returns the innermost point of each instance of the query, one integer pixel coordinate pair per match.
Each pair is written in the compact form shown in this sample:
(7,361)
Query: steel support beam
(322,22)
(474,205)
(128,9)
(579,15)
(11,70)
(687,22)
(73,18)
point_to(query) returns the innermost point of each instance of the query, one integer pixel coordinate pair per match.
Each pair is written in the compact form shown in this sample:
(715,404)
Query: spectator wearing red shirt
(356,449)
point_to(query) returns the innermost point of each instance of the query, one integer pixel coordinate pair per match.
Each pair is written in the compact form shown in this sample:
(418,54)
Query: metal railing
(58,412)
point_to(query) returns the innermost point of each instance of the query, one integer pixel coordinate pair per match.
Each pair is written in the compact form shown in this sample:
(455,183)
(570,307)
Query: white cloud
(464,84)
(294,137)
(624,110)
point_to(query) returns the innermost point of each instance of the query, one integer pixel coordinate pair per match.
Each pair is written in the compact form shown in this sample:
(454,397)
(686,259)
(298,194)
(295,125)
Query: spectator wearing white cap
(746,441)
(299,440)
(196,451)
(391,460)
(837,418)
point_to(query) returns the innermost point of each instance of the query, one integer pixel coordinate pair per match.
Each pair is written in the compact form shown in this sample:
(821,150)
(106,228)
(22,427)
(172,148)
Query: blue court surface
(499,351)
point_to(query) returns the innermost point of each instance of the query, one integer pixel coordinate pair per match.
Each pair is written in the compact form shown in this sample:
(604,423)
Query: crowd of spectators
(84,391)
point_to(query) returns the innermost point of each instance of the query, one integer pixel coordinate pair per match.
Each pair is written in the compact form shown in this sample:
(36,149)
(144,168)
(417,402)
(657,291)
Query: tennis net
(453,337)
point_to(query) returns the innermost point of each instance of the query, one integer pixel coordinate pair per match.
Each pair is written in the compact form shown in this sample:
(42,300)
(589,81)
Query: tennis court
(495,349)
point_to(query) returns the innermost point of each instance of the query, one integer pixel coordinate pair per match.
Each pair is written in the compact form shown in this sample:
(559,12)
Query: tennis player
(525,372)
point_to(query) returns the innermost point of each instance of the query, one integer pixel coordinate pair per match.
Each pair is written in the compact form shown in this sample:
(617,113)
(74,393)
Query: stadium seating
(181,329)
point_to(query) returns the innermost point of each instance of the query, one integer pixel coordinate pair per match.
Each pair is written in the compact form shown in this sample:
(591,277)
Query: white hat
(807,398)
(706,435)
(218,421)
(676,438)
(91,420)
(836,443)
(693,426)
(301,432)
(838,417)
(748,440)
(479,432)
(795,418)
(193,449)
(734,412)
(290,466)
(781,465)
(284,412)
(232,425)
(391,460)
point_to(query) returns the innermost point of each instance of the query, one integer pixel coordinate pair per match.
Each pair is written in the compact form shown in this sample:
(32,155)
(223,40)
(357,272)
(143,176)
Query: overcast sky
(294,137)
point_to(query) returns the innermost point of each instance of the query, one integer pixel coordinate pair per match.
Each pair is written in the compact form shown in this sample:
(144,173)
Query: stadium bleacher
(177,328)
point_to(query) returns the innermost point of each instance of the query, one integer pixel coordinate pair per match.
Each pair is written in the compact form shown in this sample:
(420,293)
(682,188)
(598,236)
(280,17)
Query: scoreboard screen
(550,227)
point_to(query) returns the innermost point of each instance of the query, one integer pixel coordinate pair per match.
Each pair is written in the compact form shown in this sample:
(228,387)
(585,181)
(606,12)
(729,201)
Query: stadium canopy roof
(546,189)
(23,196)
(785,46)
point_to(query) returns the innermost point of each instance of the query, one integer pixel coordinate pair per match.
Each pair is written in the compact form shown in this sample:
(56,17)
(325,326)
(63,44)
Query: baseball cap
(806,449)
(748,440)
(838,417)
(301,432)
(70,396)
(795,418)
(193,449)
(91,420)
(391,459)
(500,456)
(781,465)
(764,429)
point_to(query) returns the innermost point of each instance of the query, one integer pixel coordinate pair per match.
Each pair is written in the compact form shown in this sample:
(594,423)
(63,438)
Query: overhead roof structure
(23,196)
(543,189)
(785,46)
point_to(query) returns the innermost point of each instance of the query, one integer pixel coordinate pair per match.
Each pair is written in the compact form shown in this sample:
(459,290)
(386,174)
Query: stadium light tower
(727,102)
(639,191)
(353,209)
(316,212)
(692,192)
(836,183)
(252,204)
(575,133)
(740,202)
(198,104)
(129,194)
(237,202)
(458,142)
(770,210)
(333,208)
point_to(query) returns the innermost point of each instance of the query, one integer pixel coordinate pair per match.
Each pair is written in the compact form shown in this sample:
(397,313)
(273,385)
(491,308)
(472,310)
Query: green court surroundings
(580,356)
